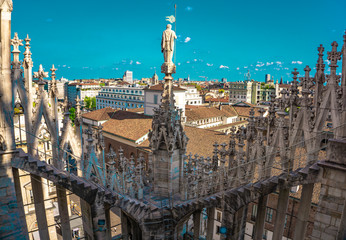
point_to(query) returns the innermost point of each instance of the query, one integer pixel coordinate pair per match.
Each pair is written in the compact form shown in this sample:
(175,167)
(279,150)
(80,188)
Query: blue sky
(219,38)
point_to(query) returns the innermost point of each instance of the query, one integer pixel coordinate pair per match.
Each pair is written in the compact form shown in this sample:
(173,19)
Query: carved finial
(16,42)
(53,87)
(320,65)
(216,146)
(78,118)
(40,75)
(89,133)
(27,53)
(334,56)
(53,69)
(295,74)
(306,82)
(65,106)
(111,156)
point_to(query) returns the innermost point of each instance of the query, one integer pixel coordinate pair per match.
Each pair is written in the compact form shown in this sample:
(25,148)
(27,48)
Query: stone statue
(167,43)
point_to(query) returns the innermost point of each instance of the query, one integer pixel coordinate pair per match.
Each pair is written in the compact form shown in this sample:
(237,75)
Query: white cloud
(278,62)
(187,61)
(209,64)
(195,60)
(131,62)
(259,64)
(297,62)
(269,63)
(237,68)
(187,39)
(222,66)
(245,66)
(286,68)
(327,61)
(63,65)
(188,8)
(179,64)
(138,63)
(256,69)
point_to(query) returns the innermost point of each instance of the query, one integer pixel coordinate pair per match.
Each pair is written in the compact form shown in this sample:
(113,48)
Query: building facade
(152,98)
(127,96)
(128,77)
(82,90)
(192,96)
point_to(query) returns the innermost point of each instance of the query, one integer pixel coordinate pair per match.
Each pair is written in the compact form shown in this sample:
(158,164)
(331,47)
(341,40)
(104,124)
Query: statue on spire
(167,43)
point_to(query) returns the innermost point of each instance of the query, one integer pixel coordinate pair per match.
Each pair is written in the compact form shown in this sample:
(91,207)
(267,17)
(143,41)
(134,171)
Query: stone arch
(69,158)
(43,137)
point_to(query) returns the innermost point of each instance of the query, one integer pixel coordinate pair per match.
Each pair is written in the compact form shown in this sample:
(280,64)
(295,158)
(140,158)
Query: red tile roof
(218,99)
(100,114)
(136,110)
(129,128)
(159,87)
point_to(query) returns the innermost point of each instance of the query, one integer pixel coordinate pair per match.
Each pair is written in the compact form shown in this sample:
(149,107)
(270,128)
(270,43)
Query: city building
(192,96)
(121,96)
(81,90)
(153,96)
(128,77)
(208,117)
(240,91)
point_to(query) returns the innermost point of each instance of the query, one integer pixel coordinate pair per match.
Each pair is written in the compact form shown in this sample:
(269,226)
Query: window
(254,212)
(31,195)
(218,229)
(218,216)
(155,99)
(269,215)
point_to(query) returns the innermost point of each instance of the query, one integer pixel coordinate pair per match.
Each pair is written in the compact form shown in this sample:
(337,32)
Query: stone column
(124,226)
(19,197)
(40,210)
(179,231)
(330,218)
(281,213)
(63,212)
(303,212)
(12,223)
(237,227)
(108,221)
(228,222)
(87,220)
(196,224)
(260,218)
(98,216)
(210,224)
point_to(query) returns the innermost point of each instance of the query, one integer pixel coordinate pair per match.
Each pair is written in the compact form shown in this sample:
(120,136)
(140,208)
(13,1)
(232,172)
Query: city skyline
(225,39)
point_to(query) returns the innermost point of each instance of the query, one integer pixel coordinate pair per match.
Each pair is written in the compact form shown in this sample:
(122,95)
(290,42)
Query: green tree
(93,103)
(72,114)
(90,102)
(87,102)
(221,90)
(102,84)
